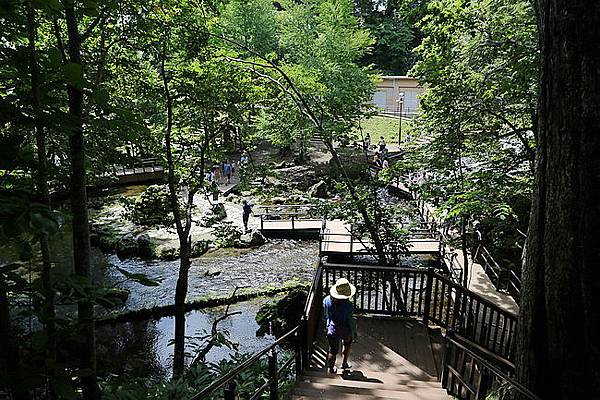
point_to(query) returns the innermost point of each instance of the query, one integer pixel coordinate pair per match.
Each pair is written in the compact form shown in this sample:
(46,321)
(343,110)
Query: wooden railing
(363,246)
(434,298)
(144,165)
(503,278)
(228,381)
(312,315)
(284,210)
(472,373)
(270,215)
(431,297)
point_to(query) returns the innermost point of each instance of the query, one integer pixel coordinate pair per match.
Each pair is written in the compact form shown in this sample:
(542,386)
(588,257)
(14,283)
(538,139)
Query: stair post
(445,365)
(304,345)
(428,290)
(273,386)
(299,339)
(229,390)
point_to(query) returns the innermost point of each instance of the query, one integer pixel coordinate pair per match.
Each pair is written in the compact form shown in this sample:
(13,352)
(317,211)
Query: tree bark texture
(81,232)
(558,344)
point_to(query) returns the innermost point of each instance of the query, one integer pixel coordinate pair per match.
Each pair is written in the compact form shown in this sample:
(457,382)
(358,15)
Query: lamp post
(400,101)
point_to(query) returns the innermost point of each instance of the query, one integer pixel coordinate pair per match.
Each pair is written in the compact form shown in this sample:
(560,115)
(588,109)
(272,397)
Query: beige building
(391,89)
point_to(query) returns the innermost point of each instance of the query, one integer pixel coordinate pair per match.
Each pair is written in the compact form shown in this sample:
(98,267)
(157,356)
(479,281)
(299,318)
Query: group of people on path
(380,158)
(222,173)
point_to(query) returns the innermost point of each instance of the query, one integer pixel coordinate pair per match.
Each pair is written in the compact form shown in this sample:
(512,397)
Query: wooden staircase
(392,359)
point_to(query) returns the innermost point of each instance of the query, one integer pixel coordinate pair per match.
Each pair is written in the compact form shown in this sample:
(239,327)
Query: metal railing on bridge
(272,216)
(351,243)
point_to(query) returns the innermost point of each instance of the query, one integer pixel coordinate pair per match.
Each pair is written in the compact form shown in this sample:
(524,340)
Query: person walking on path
(247,209)
(227,171)
(339,322)
(382,145)
(217,174)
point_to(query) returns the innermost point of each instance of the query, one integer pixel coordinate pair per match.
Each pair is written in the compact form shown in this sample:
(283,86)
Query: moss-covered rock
(282,315)
(250,239)
(152,208)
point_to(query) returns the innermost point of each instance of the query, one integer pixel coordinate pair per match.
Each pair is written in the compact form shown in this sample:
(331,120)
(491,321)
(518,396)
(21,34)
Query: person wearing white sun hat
(340,324)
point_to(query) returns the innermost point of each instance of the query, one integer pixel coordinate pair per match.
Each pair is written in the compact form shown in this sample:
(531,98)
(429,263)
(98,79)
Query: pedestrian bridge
(336,237)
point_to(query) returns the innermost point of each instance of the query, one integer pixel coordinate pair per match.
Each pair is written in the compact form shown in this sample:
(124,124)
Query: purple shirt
(338,317)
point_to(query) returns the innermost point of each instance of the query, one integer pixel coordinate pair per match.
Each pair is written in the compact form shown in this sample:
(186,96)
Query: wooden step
(371,376)
(373,383)
(316,390)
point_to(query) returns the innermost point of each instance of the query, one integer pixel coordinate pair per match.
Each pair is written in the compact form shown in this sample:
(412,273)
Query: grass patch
(387,127)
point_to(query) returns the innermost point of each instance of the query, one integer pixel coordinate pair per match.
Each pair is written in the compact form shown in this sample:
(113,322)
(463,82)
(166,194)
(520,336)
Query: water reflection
(142,350)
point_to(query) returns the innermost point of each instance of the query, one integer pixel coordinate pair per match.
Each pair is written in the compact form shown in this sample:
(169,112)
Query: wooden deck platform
(391,359)
(336,237)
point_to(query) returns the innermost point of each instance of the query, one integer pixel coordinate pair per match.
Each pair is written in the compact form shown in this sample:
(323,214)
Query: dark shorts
(334,343)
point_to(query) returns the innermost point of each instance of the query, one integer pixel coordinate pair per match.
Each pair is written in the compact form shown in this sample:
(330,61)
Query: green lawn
(387,127)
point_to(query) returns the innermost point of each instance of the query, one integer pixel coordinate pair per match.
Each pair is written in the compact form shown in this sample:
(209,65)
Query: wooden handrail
(477,296)
(483,356)
(242,367)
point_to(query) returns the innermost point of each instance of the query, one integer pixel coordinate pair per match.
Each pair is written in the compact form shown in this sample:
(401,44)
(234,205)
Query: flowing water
(219,272)
(141,349)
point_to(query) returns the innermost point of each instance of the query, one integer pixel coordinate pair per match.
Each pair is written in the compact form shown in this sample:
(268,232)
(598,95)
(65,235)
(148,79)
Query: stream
(141,349)
(218,272)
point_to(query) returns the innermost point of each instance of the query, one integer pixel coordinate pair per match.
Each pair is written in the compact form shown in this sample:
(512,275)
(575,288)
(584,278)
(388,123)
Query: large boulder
(168,252)
(217,213)
(282,315)
(278,200)
(127,247)
(318,190)
(104,237)
(251,239)
(145,246)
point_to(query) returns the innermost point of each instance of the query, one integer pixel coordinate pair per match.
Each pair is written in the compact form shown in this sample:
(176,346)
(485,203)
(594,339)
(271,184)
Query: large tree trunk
(48,312)
(558,344)
(81,232)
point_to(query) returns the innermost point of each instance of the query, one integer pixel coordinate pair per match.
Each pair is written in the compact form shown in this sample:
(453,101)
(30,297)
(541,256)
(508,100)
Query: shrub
(152,208)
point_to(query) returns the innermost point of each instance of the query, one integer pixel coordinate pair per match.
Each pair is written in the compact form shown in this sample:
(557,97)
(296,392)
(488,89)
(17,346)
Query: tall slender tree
(43,193)
(79,206)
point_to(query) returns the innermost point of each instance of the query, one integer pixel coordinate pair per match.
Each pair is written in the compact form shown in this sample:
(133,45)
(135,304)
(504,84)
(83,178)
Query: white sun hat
(342,289)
